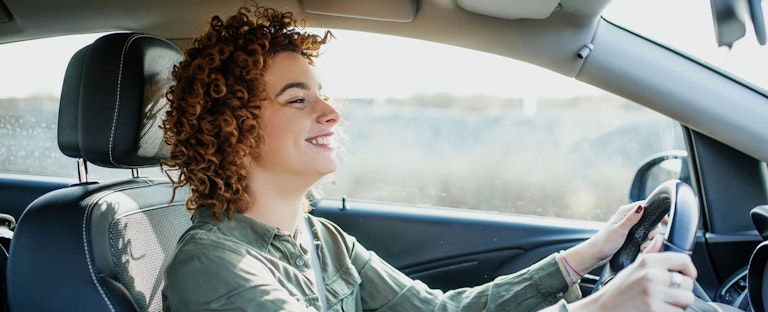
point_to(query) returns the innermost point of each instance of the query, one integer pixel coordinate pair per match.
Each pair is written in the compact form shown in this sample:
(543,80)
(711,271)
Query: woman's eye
(297,101)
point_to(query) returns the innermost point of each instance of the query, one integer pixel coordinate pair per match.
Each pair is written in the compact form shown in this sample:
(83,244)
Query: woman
(251,132)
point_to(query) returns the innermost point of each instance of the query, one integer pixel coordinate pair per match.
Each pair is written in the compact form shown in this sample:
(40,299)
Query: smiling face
(298,125)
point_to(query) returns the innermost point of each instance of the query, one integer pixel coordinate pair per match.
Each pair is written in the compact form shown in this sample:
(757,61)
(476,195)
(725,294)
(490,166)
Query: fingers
(669,261)
(610,238)
(671,287)
(623,212)
(624,209)
(657,281)
(666,281)
(676,280)
(679,292)
(629,215)
(657,231)
(645,245)
(653,246)
(684,267)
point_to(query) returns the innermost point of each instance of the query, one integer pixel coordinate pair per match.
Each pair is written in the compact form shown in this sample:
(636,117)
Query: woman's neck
(276,202)
(277,211)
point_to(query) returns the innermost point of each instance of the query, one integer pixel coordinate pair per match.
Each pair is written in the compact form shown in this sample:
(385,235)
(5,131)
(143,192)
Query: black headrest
(69,107)
(121,96)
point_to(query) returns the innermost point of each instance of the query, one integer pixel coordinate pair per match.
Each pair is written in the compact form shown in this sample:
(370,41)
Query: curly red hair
(213,123)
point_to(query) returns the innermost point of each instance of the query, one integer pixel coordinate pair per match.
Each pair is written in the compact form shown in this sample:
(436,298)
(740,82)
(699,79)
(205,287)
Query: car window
(694,35)
(426,125)
(30,84)
(433,125)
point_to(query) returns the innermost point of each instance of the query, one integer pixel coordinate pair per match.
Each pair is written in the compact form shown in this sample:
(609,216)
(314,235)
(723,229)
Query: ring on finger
(676,280)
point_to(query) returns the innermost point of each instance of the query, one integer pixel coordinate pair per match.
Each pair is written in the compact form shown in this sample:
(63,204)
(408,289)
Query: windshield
(688,26)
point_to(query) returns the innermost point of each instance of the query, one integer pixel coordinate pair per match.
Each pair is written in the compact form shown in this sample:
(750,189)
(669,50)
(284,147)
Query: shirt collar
(251,232)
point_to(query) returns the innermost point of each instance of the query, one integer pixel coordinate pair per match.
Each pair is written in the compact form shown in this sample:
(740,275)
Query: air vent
(733,289)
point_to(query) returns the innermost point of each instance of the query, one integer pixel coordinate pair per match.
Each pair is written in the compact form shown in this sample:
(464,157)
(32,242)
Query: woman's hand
(597,250)
(655,282)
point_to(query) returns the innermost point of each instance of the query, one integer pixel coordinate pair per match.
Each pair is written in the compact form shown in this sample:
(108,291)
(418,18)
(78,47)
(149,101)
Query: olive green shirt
(244,265)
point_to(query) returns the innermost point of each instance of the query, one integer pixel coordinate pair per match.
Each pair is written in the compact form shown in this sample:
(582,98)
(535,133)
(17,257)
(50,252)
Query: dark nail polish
(639,209)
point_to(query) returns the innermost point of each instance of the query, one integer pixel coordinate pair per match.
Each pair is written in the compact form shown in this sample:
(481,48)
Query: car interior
(100,229)
(100,245)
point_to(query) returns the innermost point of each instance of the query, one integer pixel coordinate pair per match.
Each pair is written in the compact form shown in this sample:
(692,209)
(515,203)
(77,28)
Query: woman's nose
(328,113)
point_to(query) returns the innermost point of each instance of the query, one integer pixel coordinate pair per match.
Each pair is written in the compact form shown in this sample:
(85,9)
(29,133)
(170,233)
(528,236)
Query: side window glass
(30,84)
(28,132)
(434,125)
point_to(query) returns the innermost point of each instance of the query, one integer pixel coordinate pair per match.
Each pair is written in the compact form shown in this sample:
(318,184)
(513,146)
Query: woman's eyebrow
(291,85)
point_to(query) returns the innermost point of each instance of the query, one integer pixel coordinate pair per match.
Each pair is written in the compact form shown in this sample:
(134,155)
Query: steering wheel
(672,198)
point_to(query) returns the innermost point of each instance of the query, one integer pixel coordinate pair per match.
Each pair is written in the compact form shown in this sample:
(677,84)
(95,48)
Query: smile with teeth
(321,140)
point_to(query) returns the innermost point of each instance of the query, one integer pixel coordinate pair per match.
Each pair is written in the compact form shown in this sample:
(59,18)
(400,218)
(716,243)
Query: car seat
(102,246)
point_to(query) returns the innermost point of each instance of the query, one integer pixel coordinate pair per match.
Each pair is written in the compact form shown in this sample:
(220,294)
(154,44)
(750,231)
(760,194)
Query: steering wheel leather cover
(757,278)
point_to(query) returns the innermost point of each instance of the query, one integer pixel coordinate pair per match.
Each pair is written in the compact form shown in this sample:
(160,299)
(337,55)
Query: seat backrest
(103,246)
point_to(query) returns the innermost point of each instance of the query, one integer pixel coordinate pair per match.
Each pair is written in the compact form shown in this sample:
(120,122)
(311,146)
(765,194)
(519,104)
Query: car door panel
(731,252)
(18,191)
(460,271)
(452,248)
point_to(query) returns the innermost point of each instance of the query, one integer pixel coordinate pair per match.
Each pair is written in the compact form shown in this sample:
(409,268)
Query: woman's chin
(328,168)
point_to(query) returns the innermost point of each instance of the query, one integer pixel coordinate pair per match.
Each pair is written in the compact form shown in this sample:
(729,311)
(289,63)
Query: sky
(37,67)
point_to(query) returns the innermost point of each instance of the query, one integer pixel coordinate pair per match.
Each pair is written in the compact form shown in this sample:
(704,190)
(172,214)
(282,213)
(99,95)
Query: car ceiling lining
(5,14)
(390,10)
(511,9)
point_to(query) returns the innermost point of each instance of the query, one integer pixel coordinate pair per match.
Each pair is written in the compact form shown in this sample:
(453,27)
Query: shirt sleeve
(385,288)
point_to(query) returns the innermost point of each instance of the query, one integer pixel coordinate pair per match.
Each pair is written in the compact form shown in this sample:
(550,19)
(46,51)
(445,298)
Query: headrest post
(135,172)
(82,170)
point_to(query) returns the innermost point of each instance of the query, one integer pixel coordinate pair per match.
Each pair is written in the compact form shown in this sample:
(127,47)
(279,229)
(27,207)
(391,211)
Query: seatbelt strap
(314,252)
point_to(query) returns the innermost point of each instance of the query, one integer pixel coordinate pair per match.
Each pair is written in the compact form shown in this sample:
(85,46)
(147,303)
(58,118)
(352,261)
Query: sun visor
(387,10)
(511,9)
